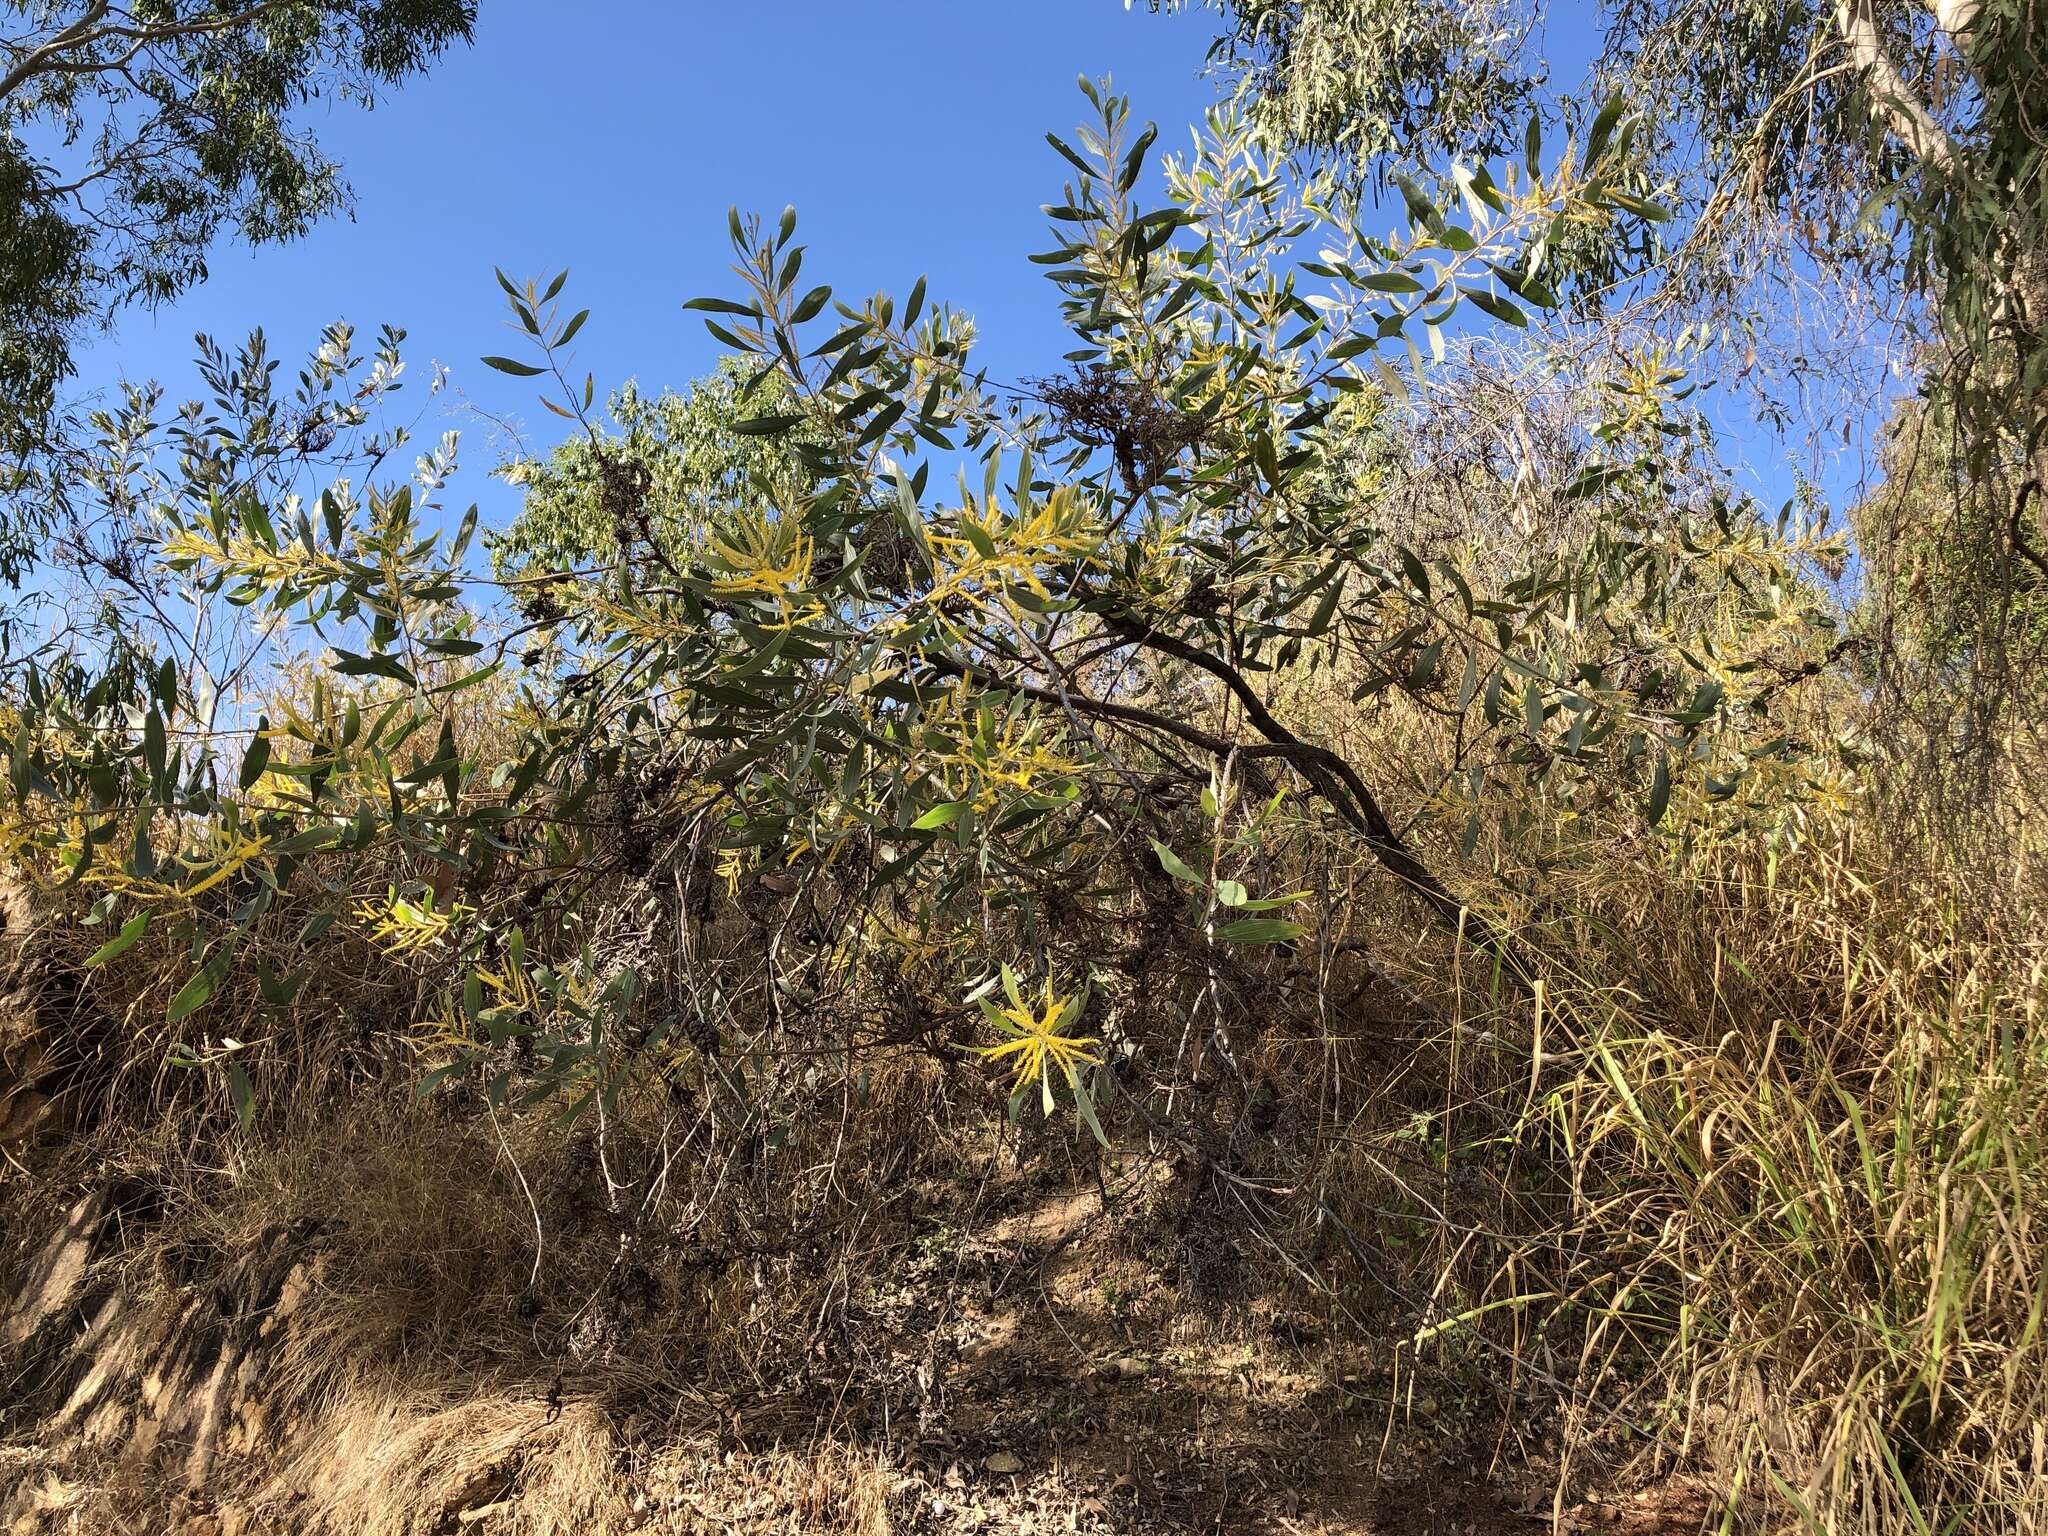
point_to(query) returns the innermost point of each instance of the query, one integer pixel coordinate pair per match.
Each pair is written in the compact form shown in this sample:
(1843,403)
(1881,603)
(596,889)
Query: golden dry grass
(1752,1184)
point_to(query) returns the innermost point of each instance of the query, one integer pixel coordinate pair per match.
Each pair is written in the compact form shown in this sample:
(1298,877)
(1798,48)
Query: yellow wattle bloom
(769,561)
(980,761)
(403,927)
(291,563)
(1037,1043)
(991,554)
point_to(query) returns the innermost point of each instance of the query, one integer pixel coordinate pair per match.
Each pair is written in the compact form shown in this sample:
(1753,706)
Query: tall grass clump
(1804,1117)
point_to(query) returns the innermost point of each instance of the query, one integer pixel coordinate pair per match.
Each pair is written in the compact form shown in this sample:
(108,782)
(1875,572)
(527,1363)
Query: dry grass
(1755,1181)
(1753,1185)
(388,1463)
(1819,1183)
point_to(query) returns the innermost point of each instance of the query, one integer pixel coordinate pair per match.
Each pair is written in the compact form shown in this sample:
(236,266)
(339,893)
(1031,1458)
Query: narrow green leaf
(1261,930)
(257,758)
(723,307)
(808,307)
(1085,1107)
(1134,162)
(1075,160)
(1501,309)
(122,942)
(193,995)
(1171,863)
(349,664)
(243,1092)
(766,426)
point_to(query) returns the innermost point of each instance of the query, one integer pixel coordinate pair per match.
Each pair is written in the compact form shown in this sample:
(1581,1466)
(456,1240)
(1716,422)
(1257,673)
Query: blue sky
(611,139)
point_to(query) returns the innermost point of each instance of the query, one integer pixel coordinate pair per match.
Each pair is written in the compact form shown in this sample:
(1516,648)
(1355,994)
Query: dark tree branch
(2019,527)
(1328,774)
(1325,771)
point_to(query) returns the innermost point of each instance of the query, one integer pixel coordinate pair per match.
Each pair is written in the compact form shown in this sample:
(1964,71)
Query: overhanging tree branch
(1897,103)
(51,57)
(1327,772)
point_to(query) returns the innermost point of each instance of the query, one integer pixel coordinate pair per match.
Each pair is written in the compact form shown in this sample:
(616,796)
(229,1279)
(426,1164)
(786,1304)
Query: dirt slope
(1033,1374)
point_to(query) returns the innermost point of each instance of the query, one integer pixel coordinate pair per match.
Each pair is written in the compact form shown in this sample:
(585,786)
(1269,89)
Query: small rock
(1003,1463)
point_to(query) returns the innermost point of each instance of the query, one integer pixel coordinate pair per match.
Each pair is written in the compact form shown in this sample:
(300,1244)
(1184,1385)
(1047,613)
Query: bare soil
(1034,1374)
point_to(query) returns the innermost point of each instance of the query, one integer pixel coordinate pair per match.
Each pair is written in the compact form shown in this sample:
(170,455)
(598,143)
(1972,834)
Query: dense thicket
(1348,738)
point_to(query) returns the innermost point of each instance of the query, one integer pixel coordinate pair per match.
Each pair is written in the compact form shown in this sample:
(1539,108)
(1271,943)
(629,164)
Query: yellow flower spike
(769,560)
(991,553)
(979,763)
(230,860)
(290,564)
(407,928)
(1038,1042)
(442,1037)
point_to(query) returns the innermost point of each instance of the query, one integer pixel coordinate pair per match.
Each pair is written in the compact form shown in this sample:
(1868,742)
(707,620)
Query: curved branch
(1333,778)
(1101,709)
(1910,121)
(84,33)
(2019,530)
